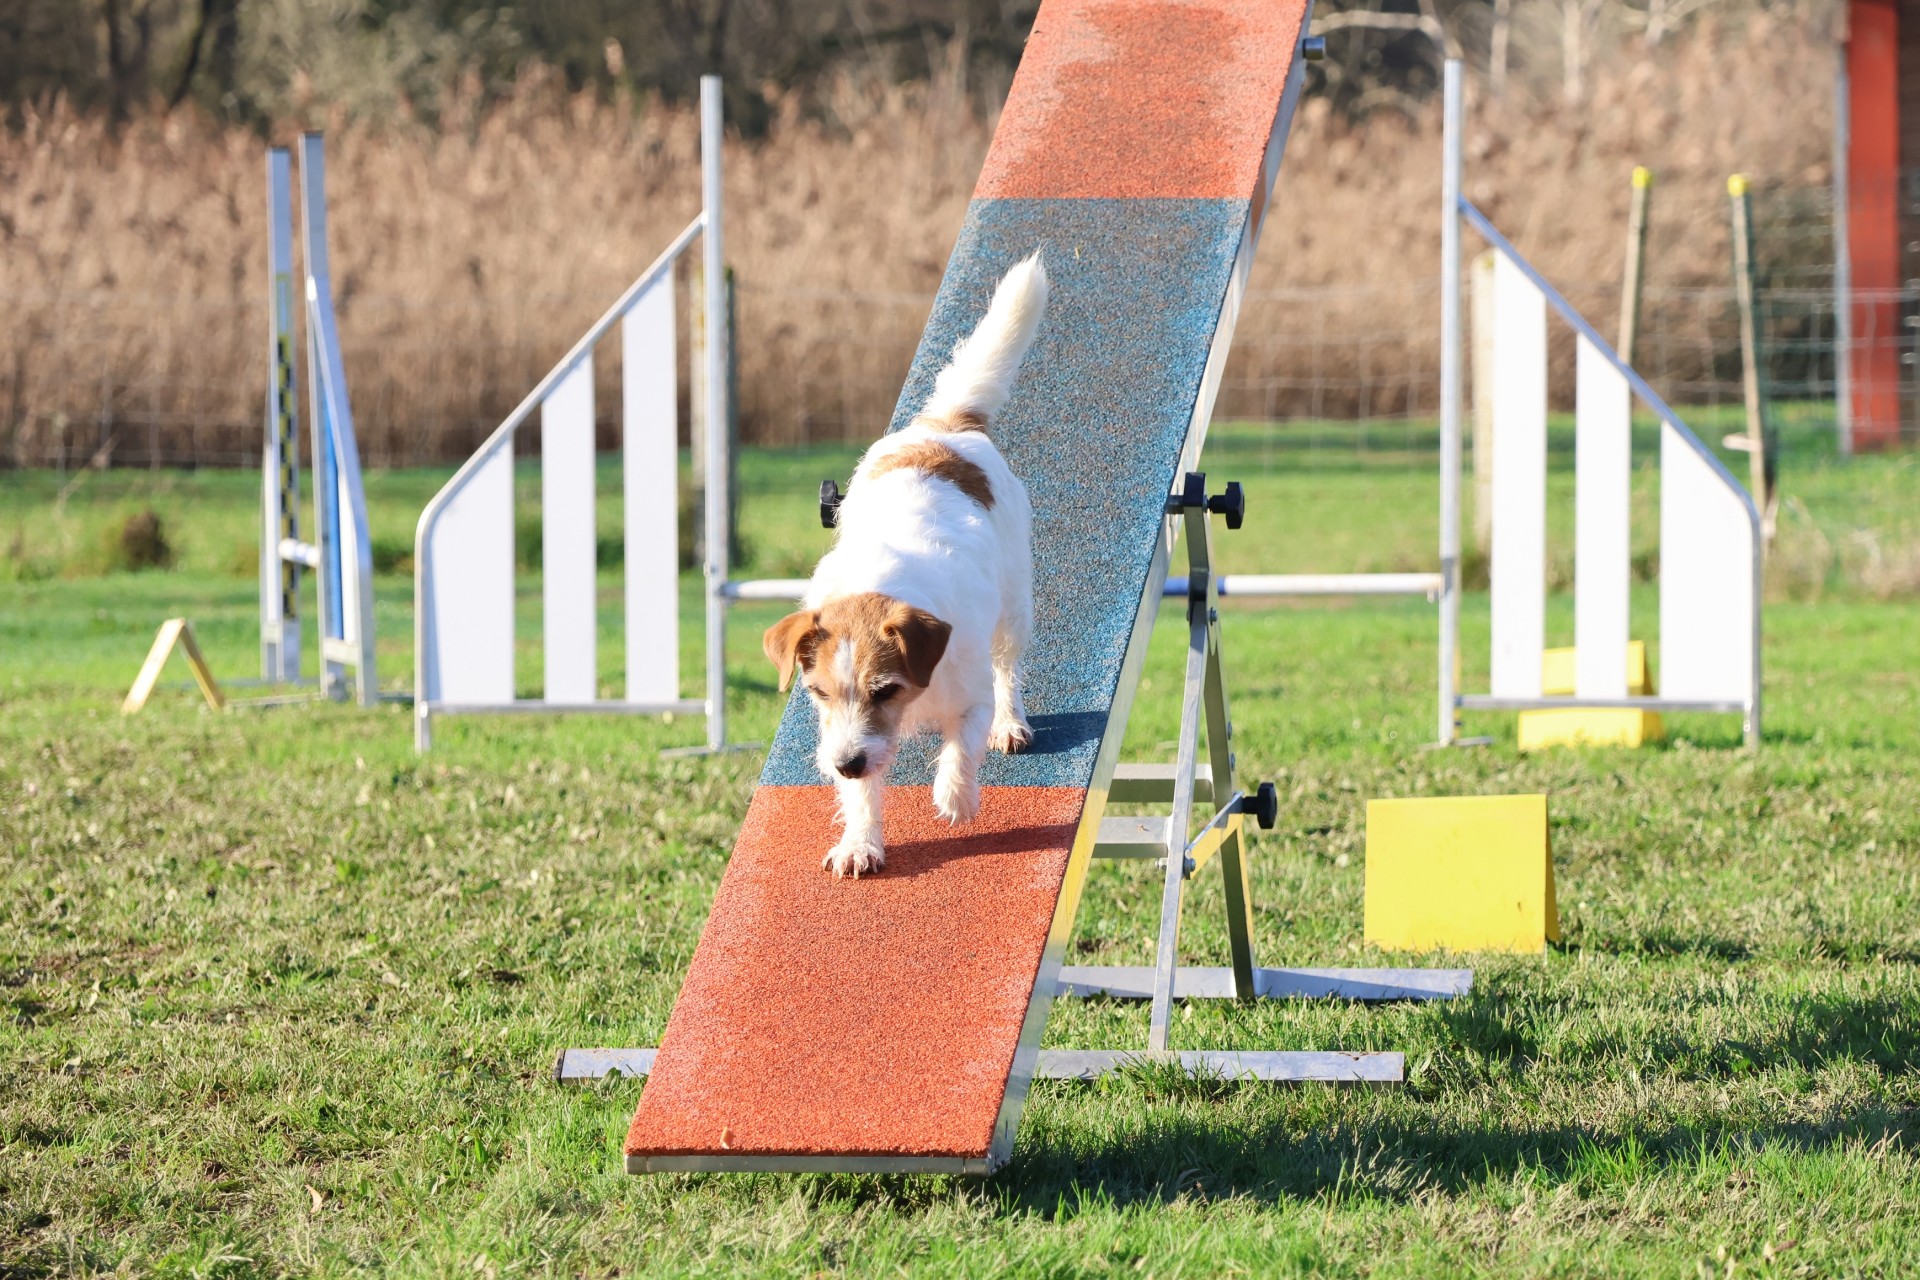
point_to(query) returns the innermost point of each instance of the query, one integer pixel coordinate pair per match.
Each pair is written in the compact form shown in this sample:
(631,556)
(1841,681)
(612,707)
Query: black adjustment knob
(1232,504)
(829,504)
(1265,806)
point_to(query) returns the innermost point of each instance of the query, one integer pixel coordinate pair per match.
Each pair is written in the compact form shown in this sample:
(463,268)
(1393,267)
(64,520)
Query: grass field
(282,997)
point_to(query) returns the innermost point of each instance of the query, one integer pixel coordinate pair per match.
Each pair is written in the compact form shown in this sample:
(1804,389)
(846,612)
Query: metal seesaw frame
(1183,784)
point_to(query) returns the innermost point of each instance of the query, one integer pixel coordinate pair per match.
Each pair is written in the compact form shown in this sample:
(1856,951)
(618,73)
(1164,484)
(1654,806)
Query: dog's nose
(853,766)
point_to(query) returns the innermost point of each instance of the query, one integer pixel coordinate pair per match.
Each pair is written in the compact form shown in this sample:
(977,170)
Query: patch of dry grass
(469,256)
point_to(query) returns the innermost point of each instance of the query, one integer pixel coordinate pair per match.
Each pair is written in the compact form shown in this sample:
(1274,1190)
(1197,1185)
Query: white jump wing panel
(1518,555)
(1603,460)
(651,467)
(568,624)
(1707,605)
(469,598)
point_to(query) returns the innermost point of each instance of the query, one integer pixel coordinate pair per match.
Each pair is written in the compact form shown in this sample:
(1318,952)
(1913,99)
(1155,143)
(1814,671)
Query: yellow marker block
(1472,873)
(1610,728)
(173,631)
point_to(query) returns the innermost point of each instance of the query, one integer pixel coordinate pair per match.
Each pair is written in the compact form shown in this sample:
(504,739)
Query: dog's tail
(977,380)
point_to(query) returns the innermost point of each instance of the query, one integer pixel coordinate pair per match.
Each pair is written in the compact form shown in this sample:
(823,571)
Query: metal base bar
(1487,702)
(577,1066)
(1194,982)
(1230,1064)
(534,706)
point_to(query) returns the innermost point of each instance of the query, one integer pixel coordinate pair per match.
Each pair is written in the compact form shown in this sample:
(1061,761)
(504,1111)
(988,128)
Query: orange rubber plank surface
(1134,99)
(878,1016)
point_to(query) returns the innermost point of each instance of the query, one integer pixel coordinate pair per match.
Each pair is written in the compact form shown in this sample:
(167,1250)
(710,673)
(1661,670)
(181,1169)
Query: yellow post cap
(1642,177)
(1737,185)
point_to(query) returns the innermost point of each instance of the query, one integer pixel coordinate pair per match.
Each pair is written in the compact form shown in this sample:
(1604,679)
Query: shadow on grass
(1394,1161)
(1195,1141)
(1661,943)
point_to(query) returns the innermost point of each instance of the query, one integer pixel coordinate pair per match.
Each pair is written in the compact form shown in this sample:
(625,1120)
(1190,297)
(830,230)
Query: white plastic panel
(1603,462)
(1518,560)
(1706,579)
(351,537)
(568,623)
(652,508)
(468,655)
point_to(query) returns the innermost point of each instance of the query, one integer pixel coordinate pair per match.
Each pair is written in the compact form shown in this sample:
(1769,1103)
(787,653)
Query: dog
(920,614)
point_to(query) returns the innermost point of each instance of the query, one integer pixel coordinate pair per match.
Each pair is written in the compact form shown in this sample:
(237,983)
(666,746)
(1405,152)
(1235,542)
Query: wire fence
(1351,370)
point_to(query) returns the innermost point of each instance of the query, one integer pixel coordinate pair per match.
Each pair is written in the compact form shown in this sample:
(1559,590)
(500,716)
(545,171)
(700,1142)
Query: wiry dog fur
(920,614)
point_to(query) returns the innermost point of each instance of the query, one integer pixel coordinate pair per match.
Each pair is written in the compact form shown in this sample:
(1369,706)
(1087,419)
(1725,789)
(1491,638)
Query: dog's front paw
(1010,736)
(955,799)
(855,856)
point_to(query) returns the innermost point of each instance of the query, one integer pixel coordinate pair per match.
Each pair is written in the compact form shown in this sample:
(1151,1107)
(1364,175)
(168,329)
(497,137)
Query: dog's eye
(884,692)
(811,691)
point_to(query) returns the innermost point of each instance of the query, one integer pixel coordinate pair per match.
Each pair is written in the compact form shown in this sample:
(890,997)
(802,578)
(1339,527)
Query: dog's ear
(922,639)
(790,641)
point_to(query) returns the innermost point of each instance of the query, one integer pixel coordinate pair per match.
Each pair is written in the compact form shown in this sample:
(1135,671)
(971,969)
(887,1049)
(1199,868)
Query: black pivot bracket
(1230,502)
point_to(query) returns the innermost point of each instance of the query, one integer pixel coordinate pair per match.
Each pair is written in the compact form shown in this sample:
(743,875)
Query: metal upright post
(1760,462)
(1193,705)
(326,478)
(1450,404)
(1636,262)
(345,554)
(280,461)
(714,283)
(1235,867)
(1842,256)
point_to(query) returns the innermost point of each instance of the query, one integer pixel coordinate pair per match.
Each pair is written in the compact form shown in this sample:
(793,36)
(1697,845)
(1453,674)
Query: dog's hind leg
(956,781)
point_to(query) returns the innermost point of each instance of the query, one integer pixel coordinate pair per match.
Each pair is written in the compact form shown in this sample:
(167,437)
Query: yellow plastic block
(1611,728)
(1589,728)
(1472,873)
(1557,673)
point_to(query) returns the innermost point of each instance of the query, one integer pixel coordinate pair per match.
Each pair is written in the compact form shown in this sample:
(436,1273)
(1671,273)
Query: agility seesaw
(893,1024)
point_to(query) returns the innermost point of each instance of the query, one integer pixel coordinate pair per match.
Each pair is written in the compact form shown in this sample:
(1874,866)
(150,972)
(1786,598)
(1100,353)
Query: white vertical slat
(1603,461)
(652,508)
(568,624)
(468,649)
(1518,557)
(350,560)
(1706,579)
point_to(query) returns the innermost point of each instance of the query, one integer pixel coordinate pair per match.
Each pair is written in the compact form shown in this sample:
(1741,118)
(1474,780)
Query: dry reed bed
(468,257)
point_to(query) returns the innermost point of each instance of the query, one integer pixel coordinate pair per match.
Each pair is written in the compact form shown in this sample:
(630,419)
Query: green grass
(282,997)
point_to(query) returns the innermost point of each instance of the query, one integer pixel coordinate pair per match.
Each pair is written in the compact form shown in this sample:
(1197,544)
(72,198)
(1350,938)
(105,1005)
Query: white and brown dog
(919,615)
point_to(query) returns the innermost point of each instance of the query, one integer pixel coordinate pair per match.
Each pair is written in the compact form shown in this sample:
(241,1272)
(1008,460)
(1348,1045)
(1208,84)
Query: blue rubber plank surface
(1094,429)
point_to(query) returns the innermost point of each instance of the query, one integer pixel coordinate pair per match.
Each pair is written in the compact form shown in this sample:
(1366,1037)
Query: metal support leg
(1167,955)
(1234,864)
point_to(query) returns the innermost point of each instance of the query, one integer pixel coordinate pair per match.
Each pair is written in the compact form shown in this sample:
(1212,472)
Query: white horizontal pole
(765,589)
(1320,584)
(1249,586)
(300,552)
